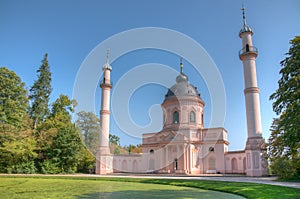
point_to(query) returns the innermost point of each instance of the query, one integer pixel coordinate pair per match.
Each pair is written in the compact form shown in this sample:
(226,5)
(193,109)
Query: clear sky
(69,30)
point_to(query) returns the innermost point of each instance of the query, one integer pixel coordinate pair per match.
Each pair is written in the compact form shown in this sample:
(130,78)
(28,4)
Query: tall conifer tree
(40,93)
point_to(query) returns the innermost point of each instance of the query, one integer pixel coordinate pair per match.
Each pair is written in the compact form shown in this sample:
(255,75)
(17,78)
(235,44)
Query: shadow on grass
(162,194)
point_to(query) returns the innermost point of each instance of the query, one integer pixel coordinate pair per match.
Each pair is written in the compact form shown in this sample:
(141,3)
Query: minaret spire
(245,27)
(244,16)
(107,65)
(181,65)
(107,56)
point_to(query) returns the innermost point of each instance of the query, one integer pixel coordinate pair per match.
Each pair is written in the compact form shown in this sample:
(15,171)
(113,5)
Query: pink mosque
(184,145)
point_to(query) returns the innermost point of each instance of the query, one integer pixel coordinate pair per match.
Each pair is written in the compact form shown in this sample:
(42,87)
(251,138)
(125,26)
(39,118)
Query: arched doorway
(115,165)
(234,166)
(124,166)
(134,166)
(244,165)
(247,48)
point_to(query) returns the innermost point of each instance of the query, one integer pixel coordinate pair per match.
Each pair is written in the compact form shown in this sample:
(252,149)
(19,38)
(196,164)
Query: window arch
(176,117)
(192,117)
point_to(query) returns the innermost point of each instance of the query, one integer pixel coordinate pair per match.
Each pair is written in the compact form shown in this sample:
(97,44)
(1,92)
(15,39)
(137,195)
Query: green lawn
(83,187)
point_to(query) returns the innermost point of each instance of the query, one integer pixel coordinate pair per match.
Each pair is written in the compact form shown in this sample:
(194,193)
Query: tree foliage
(40,93)
(284,141)
(53,143)
(17,152)
(89,126)
(58,139)
(13,101)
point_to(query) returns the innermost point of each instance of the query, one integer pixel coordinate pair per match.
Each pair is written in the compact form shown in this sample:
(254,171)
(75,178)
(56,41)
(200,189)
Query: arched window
(202,119)
(151,151)
(192,117)
(175,117)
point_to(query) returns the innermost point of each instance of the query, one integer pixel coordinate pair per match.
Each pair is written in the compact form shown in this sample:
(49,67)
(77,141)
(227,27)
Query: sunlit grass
(84,187)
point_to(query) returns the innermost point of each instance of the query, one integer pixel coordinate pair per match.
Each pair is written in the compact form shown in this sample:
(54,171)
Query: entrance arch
(124,166)
(134,166)
(234,166)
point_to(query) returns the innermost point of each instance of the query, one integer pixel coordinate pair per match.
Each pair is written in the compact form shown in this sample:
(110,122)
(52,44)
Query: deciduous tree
(285,136)
(13,101)
(89,125)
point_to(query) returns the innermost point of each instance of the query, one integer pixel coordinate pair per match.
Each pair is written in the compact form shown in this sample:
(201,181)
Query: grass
(83,187)
(87,188)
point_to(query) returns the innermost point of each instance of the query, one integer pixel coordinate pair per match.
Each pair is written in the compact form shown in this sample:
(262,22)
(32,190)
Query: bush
(23,168)
(48,167)
(284,168)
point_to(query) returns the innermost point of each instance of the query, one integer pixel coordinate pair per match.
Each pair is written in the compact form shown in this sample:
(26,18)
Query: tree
(114,144)
(13,100)
(89,125)
(58,140)
(133,149)
(17,152)
(284,141)
(114,139)
(40,93)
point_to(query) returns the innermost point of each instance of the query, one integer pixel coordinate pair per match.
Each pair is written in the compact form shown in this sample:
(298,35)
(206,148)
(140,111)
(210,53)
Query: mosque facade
(184,145)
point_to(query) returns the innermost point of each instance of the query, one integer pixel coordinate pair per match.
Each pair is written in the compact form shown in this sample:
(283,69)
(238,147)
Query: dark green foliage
(48,167)
(40,93)
(284,168)
(284,142)
(58,140)
(66,150)
(13,101)
(86,162)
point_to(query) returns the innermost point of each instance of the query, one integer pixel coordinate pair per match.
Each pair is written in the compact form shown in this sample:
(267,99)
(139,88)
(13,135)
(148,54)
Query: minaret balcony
(105,84)
(248,50)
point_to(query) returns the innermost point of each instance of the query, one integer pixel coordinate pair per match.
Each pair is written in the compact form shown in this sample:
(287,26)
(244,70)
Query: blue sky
(69,30)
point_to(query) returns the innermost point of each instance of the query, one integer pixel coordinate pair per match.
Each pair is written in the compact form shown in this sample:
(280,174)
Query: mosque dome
(182,87)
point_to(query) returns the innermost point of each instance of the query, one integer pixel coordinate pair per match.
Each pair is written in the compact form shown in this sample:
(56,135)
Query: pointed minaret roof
(107,65)
(245,27)
(181,77)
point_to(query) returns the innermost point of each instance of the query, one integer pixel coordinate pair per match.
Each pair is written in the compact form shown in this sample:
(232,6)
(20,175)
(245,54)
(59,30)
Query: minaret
(104,158)
(255,154)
